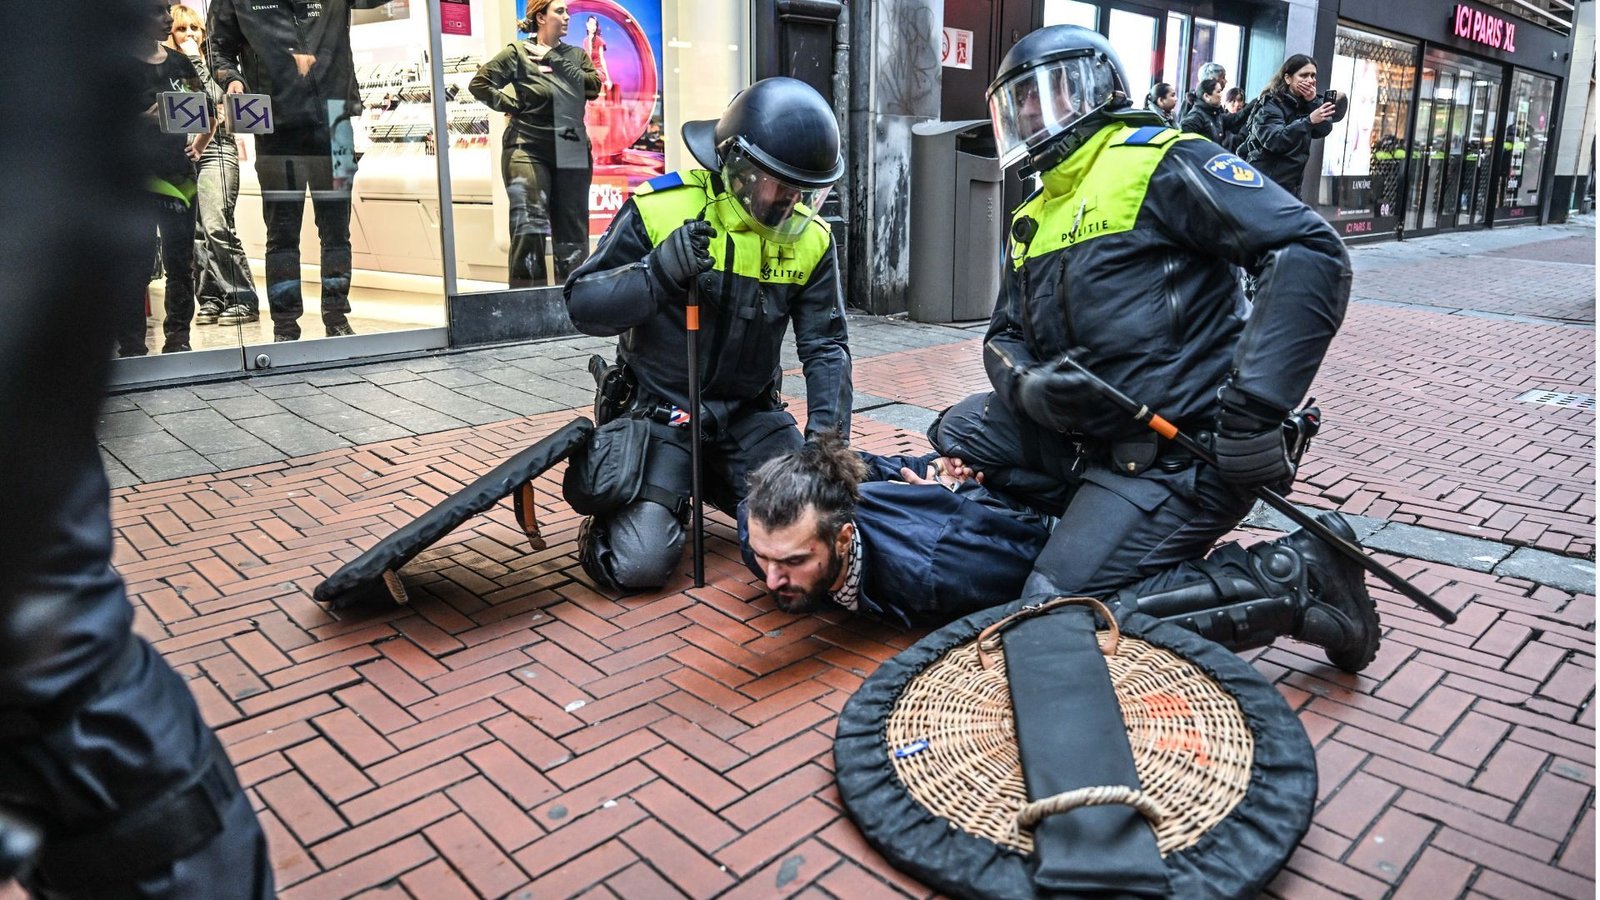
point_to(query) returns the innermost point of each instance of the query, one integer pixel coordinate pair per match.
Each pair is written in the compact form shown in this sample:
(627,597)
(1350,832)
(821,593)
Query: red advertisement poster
(455,16)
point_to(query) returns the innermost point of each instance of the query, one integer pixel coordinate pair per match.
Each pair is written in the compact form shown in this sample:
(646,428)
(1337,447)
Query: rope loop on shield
(1103,795)
(988,636)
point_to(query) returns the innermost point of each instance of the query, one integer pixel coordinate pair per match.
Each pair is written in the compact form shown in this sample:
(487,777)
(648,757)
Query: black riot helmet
(1056,86)
(777,150)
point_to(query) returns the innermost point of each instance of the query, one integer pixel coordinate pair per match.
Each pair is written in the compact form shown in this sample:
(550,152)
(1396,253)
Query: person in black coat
(1205,116)
(1289,115)
(103,751)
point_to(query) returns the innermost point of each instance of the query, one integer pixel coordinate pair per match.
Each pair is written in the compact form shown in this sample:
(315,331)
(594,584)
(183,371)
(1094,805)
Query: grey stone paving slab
(1541,567)
(329,379)
(1264,516)
(162,466)
(392,376)
(116,473)
(860,401)
(119,403)
(454,378)
(129,447)
(334,415)
(282,390)
(292,434)
(250,456)
(568,397)
(413,417)
(452,403)
(903,415)
(246,407)
(1458,550)
(214,392)
(207,431)
(121,424)
(385,431)
(168,400)
(519,402)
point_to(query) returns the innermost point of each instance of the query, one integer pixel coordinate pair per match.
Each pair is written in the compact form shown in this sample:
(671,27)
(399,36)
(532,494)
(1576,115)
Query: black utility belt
(1133,456)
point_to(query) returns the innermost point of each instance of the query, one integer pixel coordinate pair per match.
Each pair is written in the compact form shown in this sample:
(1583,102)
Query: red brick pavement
(1422,422)
(512,732)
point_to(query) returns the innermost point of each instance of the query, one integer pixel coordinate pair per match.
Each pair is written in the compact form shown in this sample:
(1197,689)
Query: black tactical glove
(1250,451)
(1063,398)
(684,254)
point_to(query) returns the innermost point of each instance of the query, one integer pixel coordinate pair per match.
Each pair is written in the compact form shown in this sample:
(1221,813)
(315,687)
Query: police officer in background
(102,749)
(744,233)
(1121,261)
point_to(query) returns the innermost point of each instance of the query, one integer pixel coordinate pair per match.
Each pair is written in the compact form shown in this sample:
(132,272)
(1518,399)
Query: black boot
(1297,587)
(593,552)
(1339,615)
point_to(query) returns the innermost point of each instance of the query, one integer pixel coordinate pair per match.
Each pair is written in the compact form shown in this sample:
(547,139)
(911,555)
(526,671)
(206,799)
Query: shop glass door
(531,194)
(333,248)
(1478,164)
(1527,134)
(1135,36)
(1451,142)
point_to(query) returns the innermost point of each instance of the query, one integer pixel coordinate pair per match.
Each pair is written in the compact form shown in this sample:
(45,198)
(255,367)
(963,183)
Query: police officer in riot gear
(103,753)
(1121,261)
(744,233)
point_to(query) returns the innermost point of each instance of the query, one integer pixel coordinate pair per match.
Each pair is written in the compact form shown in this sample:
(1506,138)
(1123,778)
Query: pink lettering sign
(1481,28)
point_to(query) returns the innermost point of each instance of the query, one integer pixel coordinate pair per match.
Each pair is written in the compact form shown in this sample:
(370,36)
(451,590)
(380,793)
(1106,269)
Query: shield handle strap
(987,637)
(1105,795)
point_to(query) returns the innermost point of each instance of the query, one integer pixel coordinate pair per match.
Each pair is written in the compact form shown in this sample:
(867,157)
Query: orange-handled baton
(1148,417)
(691,324)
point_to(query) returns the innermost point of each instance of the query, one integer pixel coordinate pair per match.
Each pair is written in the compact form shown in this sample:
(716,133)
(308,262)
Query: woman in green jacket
(542,85)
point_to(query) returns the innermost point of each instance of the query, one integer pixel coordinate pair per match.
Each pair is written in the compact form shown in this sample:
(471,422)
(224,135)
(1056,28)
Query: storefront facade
(1453,111)
(429,228)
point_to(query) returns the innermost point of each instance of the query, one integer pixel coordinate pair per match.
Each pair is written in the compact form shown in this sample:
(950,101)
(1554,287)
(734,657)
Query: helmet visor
(1038,103)
(774,208)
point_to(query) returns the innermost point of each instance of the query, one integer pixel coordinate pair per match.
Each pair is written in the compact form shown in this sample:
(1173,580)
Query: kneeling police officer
(744,233)
(1122,264)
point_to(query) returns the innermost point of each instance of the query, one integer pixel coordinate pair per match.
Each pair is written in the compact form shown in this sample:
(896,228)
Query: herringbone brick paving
(514,733)
(1422,422)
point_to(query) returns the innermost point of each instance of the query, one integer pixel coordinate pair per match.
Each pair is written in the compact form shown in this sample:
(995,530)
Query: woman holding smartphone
(542,85)
(1289,115)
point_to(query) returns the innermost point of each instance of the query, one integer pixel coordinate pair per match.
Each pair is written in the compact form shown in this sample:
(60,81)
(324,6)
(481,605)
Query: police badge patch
(1229,168)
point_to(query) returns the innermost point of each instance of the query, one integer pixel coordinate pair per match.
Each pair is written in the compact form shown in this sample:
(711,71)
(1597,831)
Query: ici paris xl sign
(1482,28)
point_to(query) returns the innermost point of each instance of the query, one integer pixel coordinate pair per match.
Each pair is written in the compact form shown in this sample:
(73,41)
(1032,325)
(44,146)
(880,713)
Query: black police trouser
(546,202)
(1115,530)
(1027,463)
(286,171)
(640,544)
(134,793)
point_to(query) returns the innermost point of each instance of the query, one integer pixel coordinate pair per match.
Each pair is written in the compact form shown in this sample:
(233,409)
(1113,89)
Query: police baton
(1145,416)
(691,322)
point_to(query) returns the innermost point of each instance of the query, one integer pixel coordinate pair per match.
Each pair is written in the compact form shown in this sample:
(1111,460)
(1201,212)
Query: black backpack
(1250,149)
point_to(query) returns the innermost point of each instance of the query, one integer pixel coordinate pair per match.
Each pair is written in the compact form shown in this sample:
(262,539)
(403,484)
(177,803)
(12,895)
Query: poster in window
(623,41)
(394,9)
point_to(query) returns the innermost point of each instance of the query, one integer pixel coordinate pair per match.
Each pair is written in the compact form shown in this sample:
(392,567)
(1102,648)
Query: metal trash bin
(957,220)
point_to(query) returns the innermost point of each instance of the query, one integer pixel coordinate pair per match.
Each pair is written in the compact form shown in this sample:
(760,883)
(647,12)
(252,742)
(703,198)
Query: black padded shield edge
(361,579)
(1234,859)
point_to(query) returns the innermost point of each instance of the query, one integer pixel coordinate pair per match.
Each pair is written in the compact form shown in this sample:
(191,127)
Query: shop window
(1133,36)
(1526,143)
(1172,68)
(660,62)
(1363,157)
(1071,12)
(1219,42)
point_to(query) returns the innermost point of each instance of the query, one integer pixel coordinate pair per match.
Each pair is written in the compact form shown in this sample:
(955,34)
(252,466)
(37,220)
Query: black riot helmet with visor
(776,148)
(1053,90)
